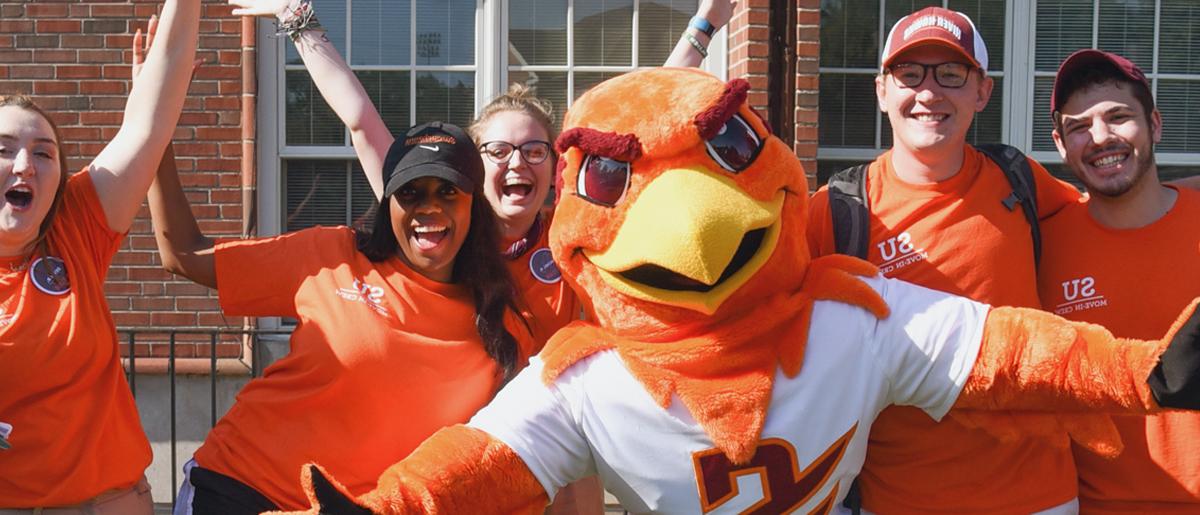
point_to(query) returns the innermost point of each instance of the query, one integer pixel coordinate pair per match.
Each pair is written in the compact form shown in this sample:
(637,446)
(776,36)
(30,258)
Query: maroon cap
(935,25)
(1087,58)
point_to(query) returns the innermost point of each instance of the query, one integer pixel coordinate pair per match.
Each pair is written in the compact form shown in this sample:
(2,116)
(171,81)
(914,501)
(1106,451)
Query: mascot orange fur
(725,372)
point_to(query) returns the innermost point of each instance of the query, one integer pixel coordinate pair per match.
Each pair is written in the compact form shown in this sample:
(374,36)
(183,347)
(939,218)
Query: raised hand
(141,45)
(275,8)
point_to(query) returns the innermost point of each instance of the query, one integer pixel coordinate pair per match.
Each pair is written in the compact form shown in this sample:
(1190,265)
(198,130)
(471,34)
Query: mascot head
(677,208)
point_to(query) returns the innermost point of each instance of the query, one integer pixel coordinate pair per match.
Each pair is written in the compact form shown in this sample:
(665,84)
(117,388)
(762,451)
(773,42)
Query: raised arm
(122,172)
(336,82)
(717,13)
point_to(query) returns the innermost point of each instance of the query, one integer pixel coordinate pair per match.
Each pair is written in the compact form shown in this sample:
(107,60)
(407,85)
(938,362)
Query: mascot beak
(691,239)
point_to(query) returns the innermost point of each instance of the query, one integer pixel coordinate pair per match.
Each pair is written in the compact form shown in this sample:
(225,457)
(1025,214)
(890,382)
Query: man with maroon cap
(940,215)
(1125,258)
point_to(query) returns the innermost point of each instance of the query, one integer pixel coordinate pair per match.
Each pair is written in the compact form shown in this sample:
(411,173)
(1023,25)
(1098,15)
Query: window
(422,60)
(1026,41)
(1162,37)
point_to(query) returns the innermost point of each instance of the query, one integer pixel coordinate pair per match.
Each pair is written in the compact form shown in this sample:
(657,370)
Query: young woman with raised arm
(70,438)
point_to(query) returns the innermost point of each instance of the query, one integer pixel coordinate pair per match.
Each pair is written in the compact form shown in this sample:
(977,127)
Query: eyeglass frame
(517,148)
(925,72)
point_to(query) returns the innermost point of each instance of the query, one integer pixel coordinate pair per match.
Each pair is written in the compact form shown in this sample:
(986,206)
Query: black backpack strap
(848,207)
(1024,190)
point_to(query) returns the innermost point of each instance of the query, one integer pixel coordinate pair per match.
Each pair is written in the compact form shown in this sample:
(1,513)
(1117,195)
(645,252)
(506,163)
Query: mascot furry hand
(728,371)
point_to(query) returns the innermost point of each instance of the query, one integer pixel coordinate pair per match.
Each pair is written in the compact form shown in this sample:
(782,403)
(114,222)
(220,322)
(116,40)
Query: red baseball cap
(938,26)
(1088,58)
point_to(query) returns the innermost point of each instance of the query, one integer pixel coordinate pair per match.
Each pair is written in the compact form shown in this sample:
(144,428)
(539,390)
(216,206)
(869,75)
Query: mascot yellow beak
(691,239)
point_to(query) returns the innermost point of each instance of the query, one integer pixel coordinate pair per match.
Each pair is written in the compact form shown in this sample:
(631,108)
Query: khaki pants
(134,500)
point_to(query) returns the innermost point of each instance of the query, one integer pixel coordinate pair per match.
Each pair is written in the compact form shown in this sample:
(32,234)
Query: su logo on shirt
(785,486)
(898,252)
(362,292)
(1078,295)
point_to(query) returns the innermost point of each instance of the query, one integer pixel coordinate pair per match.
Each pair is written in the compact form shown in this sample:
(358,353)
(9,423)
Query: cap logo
(427,147)
(933,21)
(430,138)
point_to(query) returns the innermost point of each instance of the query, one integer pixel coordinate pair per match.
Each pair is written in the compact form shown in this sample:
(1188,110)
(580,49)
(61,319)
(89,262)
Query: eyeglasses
(947,75)
(533,152)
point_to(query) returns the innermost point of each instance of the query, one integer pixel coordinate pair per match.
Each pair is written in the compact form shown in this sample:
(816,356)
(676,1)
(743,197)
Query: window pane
(549,86)
(446,96)
(849,33)
(332,14)
(1042,125)
(537,32)
(604,33)
(362,200)
(389,93)
(314,193)
(1127,28)
(381,31)
(585,80)
(847,110)
(988,16)
(986,128)
(1179,102)
(1179,37)
(661,22)
(308,119)
(445,32)
(1063,26)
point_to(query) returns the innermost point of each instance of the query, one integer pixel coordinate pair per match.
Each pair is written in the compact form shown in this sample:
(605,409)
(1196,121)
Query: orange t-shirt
(957,237)
(1134,282)
(549,302)
(75,428)
(381,358)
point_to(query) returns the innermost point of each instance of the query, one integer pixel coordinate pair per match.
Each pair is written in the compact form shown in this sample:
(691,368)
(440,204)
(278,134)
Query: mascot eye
(736,146)
(602,180)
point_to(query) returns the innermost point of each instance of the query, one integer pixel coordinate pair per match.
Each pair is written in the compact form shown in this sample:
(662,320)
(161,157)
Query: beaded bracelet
(696,44)
(302,18)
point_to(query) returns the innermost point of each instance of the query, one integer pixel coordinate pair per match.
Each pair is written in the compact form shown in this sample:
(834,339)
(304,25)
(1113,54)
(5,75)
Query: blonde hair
(518,98)
(27,104)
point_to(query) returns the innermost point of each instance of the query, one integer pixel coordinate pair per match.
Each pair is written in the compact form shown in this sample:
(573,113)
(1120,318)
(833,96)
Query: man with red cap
(1125,258)
(940,215)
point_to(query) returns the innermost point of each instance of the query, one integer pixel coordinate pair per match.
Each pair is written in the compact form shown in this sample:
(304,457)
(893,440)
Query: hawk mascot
(727,371)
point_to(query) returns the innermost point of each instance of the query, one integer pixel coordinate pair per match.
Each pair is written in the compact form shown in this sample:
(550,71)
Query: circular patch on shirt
(49,274)
(541,264)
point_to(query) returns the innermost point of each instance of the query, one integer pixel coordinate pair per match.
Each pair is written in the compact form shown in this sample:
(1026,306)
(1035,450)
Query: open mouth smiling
(19,196)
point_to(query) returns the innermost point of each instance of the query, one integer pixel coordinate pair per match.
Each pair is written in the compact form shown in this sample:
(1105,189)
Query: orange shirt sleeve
(1052,194)
(260,276)
(820,224)
(81,205)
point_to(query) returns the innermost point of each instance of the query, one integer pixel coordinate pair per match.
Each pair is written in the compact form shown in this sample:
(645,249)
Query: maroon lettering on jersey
(784,485)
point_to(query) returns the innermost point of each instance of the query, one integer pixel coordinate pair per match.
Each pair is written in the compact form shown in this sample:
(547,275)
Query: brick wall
(73,58)
(749,51)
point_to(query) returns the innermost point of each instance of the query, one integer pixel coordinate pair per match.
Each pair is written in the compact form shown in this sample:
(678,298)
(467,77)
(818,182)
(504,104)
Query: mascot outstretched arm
(726,371)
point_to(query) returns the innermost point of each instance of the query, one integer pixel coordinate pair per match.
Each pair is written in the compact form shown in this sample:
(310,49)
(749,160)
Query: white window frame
(491,79)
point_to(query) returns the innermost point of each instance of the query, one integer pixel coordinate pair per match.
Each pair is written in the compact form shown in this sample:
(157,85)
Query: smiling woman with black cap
(402,330)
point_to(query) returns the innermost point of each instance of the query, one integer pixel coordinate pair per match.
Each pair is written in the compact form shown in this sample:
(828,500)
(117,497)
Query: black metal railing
(247,338)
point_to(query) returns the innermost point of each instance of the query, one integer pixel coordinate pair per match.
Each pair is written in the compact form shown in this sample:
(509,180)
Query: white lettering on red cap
(933,21)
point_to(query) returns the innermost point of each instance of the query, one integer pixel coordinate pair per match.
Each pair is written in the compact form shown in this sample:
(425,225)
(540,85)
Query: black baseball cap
(434,149)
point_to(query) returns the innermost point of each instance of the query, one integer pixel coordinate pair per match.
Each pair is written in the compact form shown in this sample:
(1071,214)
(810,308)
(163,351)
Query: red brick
(131,319)
(218,133)
(185,288)
(34,71)
(10,11)
(98,118)
(20,87)
(115,288)
(78,71)
(15,26)
(59,26)
(112,11)
(217,227)
(197,118)
(116,71)
(80,11)
(46,10)
(82,41)
(100,56)
(196,304)
(108,103)
(173,319)
(102,87)
(222,103)
(50,55)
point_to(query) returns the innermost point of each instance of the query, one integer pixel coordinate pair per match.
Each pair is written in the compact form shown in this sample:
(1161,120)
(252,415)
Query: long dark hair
(27,104)
(478,265)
